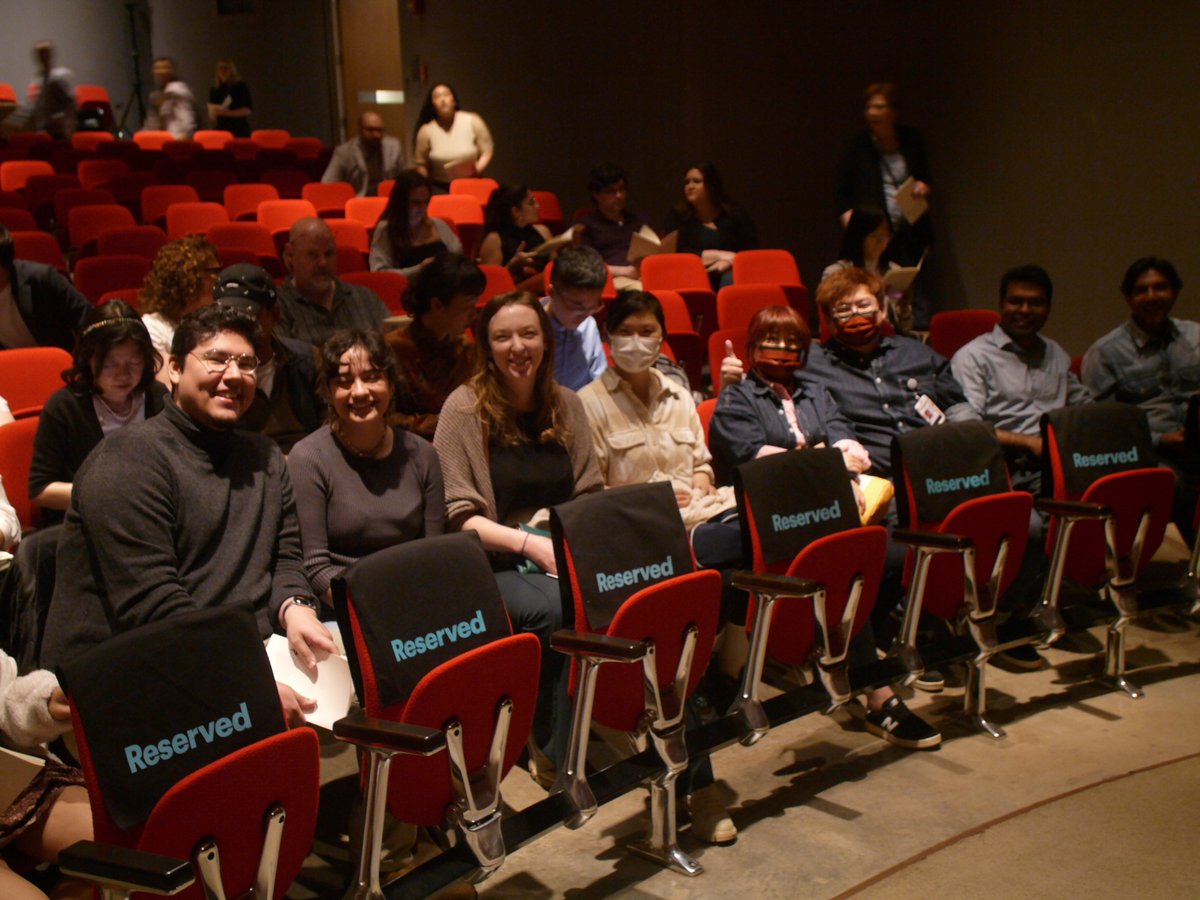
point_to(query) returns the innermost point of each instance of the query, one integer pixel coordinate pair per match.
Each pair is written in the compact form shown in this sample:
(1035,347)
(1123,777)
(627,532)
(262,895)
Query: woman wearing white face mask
(406,238)
(644,424)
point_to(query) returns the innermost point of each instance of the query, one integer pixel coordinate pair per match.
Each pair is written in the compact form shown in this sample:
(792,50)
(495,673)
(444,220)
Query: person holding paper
(186,512)
(407,238)
(710,224)
(877,163)
(52,811)
(611,225)
(361,484)
(864,244)
(511,234)
(451,142)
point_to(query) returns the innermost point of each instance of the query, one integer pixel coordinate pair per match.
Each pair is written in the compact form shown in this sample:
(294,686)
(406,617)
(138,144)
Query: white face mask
(634,354)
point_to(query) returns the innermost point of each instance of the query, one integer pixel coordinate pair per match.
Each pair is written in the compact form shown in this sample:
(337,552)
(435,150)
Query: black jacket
(49,304)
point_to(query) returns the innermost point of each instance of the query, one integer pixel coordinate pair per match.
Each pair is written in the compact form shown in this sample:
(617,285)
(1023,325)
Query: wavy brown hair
(177,276)
(492,398)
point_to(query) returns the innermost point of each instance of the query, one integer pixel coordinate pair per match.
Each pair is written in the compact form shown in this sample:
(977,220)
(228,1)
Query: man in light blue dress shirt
(576,283)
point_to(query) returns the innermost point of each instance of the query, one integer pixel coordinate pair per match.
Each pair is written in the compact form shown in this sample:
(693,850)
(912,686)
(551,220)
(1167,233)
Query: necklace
(365,454)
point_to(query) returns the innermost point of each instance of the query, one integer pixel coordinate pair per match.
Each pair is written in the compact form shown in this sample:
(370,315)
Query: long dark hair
(497,215)
(104,327)
(713,184)
(377,350)
(863,221)
(428,113)
(399,233)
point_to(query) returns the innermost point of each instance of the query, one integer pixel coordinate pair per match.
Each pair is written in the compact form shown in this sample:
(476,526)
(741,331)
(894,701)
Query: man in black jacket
(38,306)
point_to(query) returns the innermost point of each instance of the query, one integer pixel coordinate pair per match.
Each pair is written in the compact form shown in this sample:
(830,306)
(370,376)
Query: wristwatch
(306,602)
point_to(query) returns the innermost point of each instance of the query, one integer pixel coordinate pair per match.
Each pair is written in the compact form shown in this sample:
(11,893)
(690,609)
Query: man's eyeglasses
(850,310)
(216,363)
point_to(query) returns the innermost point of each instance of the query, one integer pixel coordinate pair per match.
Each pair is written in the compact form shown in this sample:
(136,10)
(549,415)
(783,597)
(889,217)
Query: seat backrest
(241,200)
(94,173)
(304,147)
(97,275)
(242,236)
(675,313)
(272,138)
(447,651)
(17,219)
(952,329)
(280,215)
(499,281)
(69,198)
(674,271)
(1103,453)
(193,218)
(800,517)
(16,456)
(479,188)
(7,94)
(737,303)
(551,210)
(136,240)
(206,755)
(210,184)
(243,148)
(91,93)
(776,267)
(152,139)
(705,409)
(211,139)
(158,198)
(87,223)
(349,259)
(625,564)
(389,287)
(385,187)
(12,200)
(38,246)
(458,209)
(14,173)
(327,196)
(366,209)
(716,352)
(29,375)
(350,233)
(289,181)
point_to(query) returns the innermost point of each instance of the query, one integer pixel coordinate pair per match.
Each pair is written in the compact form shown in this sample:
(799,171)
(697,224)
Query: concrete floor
(826,810)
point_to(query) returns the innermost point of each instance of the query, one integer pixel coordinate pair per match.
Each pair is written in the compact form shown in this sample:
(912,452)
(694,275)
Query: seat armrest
(413,740)
(1073,508)
(932,540)
(597,646)
(779,585)
(122,867)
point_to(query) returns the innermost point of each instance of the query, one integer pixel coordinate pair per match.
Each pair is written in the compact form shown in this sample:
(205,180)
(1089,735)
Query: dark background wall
(1060,133)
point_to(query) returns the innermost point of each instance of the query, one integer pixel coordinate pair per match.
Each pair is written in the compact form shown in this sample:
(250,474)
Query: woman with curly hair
(180,280)
(110,385)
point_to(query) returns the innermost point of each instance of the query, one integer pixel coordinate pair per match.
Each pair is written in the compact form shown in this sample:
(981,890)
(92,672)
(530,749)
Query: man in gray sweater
(184,512)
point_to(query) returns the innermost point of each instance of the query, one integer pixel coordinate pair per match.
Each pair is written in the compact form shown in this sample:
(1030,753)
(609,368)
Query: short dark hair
(1141,266)
(104,327)
(201,324)
(604,175)
(630,303)
(1028,274)
(379,354)
(447,276)
(579,267)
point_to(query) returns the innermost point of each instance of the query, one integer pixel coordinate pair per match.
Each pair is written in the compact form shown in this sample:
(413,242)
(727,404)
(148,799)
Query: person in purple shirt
(611,225)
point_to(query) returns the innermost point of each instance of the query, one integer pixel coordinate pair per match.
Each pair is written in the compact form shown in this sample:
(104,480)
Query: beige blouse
(636,444)
(467,139)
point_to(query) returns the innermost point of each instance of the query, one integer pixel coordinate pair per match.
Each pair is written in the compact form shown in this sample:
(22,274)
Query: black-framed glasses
(216,363)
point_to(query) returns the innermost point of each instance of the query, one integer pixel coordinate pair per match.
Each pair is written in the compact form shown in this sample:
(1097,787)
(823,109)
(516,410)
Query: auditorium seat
(366,209)
(90,140)
(241,200)
(348,233)
(212,139)
(96,173)
(499,281)
(279,215)
(552,214)
(70,198)
(270,138)
(387,286)
(210,184)
(479,188)
(40,247)
(304,147)
(136,240)
(158,198)
(14,173)
(16,456)
(12,200)
(193,218)
(776,267)
(86,223)
(737,303)
(247,237)
(17,219)
(39,195)
(152,140)
(329,198)
(290,182)
(952,329)
(29,375)
(97,275)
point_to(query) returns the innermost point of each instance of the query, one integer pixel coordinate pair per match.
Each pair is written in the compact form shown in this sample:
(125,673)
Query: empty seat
(211,139)
(685,273)
(552,214)
(366,209)
(289,182)
(247,237)
(952,329)
(279,215)
(776,267)
(40,247)
(95,173)
(304,147)
(29,375)
(152,140)
(69,198)
(387,286)
(479,188)
(210,184)
(16,456)
(273,138)
(349,233)
(737,303)
(158,198)
(193,218)
(12,200)
(241,200)
(136,240)
(499,281)
(14,173)
(86,223)
(39,195)
(97,275)
(17,219)
(329,198)
(90,140)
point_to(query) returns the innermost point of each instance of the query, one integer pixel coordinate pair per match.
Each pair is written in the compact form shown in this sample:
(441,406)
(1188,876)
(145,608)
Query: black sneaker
(1023,656)
(899,725)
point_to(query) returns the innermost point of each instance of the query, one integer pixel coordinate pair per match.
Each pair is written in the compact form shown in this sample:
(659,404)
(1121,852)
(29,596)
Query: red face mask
(778,364)
(858,331)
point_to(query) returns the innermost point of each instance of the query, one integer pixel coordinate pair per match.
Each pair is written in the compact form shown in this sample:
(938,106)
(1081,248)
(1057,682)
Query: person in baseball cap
(286,406)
